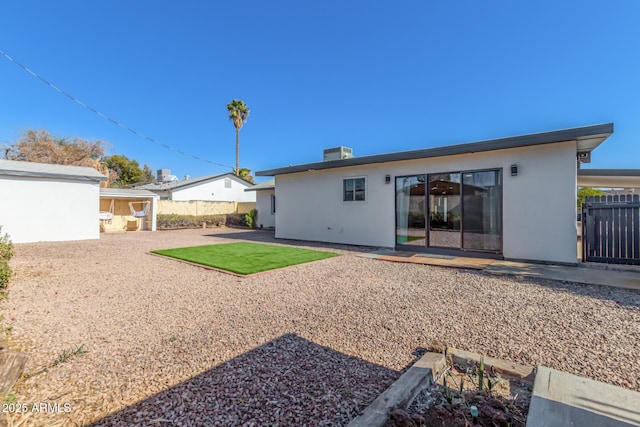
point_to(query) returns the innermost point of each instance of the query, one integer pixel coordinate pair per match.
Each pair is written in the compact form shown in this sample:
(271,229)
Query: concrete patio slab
(628,279)
(561,399)
(438,260)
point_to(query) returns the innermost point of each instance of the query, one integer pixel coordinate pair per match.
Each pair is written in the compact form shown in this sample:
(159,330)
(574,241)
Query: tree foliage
(584,192)
(238,113)
(245,174)
(41,147)
(128,171)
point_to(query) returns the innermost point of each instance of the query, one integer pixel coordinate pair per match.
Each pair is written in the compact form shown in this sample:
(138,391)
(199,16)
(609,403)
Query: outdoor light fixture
(387,179)
(514,170)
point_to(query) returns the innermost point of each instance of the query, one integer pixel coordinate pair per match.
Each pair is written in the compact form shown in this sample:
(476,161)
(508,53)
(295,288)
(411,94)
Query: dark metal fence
(611,229)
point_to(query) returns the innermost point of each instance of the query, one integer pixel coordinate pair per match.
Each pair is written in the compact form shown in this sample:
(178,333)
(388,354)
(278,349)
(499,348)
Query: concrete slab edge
(402,392)
(561,399)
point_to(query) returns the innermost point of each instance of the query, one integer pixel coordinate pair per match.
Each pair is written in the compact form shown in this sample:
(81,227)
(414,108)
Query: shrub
(236,219)
(172,221)
(251,218)
(6,252)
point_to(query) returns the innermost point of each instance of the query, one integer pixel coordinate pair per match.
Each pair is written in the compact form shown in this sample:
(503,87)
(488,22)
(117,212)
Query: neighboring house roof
(267,185)
(183,183)
(587,137)
(609,178)
(45,170)
(126,192)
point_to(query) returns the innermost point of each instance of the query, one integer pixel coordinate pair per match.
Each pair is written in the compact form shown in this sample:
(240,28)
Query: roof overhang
(609,178)
(586,137)
(127,193)
(267,185)
(45,170)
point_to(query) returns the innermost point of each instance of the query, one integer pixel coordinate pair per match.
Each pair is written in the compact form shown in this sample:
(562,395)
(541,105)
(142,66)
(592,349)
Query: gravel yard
(172,344)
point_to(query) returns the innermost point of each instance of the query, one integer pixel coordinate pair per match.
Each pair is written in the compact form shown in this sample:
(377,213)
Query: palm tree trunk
(237,151)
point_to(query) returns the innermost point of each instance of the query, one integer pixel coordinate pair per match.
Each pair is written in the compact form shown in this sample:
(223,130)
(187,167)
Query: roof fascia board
(591,133)
(68,177)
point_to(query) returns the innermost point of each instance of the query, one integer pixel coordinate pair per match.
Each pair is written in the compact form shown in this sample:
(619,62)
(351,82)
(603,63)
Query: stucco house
(265,203)
(511,198)
(42,202)
(225,187)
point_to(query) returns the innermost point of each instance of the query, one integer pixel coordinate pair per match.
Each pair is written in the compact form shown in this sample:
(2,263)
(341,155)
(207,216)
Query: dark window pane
(348,190)
(353,189)
(482,220)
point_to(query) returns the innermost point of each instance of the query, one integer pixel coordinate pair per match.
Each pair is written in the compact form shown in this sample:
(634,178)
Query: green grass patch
(245,258)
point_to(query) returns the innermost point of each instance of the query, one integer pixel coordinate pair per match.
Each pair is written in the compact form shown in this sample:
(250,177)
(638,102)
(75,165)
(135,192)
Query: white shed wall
(40,210)
(539,208)
(216,191)
(263,205)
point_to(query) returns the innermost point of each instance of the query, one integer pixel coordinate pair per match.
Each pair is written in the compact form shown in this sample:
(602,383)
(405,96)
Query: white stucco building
(42,202)
(511,198)
(265,203)
(220,188)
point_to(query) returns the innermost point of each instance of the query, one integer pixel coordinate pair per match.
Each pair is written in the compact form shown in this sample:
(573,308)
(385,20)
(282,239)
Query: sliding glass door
(454,210)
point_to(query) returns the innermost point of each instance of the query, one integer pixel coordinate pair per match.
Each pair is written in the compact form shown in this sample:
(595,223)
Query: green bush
(173,221)
(6,252)
(251,218)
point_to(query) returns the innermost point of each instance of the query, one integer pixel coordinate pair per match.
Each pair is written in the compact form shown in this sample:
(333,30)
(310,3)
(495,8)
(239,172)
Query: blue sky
(375,76)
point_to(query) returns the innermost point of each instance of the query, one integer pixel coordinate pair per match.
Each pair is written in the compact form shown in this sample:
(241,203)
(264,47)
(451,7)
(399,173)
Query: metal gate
(611,229)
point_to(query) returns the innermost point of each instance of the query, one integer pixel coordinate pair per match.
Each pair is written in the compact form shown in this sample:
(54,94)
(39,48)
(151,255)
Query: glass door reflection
(444,210)
(410,210)
(482,213)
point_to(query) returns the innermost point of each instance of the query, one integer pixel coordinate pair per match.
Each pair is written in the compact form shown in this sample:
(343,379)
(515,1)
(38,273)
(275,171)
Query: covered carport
(610,227)
(610,178)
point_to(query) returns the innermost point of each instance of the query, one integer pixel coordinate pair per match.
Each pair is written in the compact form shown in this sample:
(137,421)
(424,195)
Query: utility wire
(104,116)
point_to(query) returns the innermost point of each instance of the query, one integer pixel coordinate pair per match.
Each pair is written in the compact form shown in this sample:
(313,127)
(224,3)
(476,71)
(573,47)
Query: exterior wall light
(514,170)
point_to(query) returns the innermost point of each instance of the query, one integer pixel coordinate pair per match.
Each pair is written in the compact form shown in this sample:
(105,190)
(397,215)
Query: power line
(104,116)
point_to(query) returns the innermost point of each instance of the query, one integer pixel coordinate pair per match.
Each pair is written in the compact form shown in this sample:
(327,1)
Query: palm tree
(238,112)
(245,174)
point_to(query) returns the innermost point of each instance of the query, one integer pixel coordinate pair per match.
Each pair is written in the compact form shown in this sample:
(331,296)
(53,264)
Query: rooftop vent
(337,153)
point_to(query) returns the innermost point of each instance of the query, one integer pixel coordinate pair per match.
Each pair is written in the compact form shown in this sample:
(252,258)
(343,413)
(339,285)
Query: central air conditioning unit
(337,153)
(163,175)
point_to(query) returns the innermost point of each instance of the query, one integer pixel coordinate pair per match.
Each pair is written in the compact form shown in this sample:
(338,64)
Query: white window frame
(353,178)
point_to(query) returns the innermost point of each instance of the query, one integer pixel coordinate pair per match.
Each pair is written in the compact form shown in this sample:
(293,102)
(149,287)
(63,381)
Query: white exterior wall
(263,205)
(40,210)
(216,191)
(539,204)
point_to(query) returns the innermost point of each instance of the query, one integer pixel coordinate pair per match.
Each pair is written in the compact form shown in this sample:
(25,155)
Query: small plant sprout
(492,384)
(481,373)
(448,396)
(67,355)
